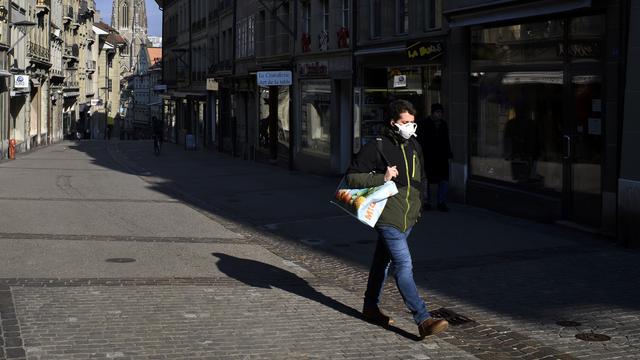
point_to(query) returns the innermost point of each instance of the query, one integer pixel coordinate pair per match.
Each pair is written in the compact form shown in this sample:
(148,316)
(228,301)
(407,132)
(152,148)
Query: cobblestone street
(109,252)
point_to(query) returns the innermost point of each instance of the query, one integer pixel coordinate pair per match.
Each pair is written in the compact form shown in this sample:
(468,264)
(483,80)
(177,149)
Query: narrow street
(109,252)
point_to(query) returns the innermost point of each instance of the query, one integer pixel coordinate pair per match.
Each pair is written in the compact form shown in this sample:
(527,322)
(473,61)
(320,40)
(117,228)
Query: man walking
(434,139)
(395,156)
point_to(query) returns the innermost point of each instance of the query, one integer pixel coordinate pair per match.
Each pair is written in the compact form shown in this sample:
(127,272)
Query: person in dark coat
(433,136)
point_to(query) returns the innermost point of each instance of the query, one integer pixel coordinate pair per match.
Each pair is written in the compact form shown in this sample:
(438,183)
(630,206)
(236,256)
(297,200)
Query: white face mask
(406,130)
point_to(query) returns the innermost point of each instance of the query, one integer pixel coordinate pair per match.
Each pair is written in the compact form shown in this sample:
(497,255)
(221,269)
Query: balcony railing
(71,84)
(71,51)
(37,51)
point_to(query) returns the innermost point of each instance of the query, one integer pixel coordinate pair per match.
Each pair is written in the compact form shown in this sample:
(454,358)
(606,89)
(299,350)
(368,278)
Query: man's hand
(391,173)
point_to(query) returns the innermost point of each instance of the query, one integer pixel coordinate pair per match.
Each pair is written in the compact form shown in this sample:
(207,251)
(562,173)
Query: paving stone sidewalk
(307,307)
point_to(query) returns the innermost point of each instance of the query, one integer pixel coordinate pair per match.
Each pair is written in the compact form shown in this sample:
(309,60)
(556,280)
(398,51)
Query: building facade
(51,86)
(535,93)
(5,77)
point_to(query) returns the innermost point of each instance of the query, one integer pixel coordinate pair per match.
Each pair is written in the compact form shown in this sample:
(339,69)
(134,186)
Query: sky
(154,15)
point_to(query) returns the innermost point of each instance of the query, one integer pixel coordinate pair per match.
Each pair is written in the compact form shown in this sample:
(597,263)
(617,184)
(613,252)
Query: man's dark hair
(398,107)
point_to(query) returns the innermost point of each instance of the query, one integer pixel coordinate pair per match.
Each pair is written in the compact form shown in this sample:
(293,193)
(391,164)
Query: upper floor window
(306,17)
(345,13)
(402,16)
(124,18)
(375,17)
(325,15)
(432,10)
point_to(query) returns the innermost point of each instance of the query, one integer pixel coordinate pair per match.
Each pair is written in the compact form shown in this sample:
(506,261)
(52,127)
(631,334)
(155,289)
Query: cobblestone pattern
(206,322)
(143,239)
(477,339)
(10,338)
(599,290)
(496,334)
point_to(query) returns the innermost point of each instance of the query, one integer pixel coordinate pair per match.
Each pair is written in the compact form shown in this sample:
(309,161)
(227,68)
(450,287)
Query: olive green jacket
(368,167)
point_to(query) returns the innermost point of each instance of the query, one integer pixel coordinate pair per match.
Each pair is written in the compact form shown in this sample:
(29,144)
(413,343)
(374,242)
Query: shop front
(324,133)
(538,118)
(273,116)
(413,72)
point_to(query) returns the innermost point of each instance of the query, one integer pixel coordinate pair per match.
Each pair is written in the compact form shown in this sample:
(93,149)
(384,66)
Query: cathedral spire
(129,18)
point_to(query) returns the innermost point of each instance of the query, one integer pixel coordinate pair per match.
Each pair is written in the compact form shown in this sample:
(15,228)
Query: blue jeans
(392,248)
(443,189)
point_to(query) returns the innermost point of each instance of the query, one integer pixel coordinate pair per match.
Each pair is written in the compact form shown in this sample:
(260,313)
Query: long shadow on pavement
(529,283)
(265,276)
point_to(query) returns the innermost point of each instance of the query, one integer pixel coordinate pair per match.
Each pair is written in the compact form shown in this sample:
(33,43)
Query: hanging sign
(212,84)
(21,82)
(425,50)
(399,81)
(274,78)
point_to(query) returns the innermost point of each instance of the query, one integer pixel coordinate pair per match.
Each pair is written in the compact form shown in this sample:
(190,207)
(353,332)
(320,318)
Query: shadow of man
(265,276)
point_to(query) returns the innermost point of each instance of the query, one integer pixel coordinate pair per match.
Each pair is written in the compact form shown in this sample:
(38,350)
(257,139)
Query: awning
(71,94)
(5,73)
(497,11)
(15,93)
(381,50)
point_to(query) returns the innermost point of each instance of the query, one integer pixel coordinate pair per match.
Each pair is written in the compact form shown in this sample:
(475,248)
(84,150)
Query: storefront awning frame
(502,11)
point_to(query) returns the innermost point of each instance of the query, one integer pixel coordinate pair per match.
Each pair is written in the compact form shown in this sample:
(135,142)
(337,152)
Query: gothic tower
(129,18)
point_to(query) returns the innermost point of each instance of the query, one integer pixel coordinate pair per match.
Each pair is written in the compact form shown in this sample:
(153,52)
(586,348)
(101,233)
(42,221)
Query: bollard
(12,149)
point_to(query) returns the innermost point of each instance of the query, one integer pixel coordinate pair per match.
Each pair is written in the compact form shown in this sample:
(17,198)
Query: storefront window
(522,129)
(315,125)
(530,43)
(585,38)
(283,117)
(420,85)
(516,133)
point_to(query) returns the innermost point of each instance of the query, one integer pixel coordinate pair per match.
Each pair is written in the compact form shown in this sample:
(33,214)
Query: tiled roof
(155,55)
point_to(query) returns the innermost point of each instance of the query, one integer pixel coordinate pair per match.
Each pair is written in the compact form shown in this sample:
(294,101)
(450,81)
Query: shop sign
(212,84)
(21,82)
(399,81)
(316,68)
(425,50)
(581,49)
(274,78)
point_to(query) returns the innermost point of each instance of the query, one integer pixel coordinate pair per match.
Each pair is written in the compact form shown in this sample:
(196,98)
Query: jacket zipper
(406,164)
(413,173)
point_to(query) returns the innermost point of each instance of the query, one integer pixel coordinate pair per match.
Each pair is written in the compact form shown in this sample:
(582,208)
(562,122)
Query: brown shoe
(432,326)
(374,315)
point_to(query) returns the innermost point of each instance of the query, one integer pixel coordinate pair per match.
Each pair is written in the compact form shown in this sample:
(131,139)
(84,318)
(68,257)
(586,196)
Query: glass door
(583,150)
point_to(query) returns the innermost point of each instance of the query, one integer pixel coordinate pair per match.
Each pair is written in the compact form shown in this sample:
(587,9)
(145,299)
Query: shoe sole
(437,330)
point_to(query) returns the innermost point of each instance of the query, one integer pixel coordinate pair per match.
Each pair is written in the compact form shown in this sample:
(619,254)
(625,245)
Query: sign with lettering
(212,84)
(21,82)
(274,78)
(399,81)
(425,50)
(316,68)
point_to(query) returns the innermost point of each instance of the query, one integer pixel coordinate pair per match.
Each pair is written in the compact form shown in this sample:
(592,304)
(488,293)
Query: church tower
(129,18)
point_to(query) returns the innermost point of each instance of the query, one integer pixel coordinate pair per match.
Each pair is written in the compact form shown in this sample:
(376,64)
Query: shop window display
(418,84)
(283,117)
(524,126)
(517,130)
(315,125)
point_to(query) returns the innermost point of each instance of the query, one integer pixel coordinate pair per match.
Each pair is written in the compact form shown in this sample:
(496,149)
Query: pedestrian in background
(433,136)
(395,156)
